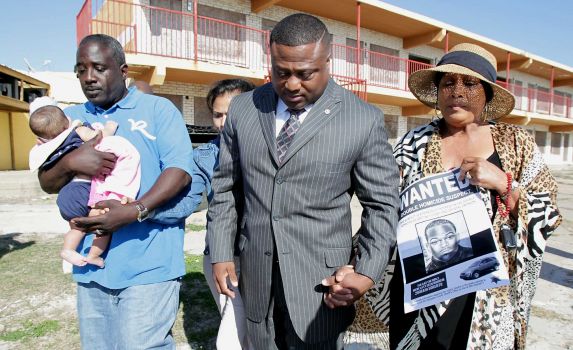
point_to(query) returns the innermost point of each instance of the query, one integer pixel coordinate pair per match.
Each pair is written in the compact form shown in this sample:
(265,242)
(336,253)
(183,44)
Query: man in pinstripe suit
(295,226)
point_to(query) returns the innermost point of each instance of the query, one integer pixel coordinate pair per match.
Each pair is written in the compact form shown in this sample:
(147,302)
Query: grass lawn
(37,301)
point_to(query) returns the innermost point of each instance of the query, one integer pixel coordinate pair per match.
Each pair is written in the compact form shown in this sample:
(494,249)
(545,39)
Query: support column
(507,67)
(358,46)
(195,34)
(447,43)
(402,126)
(551,90)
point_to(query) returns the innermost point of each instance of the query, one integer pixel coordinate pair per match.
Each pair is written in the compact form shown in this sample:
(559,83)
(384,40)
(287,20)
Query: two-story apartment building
(181,46)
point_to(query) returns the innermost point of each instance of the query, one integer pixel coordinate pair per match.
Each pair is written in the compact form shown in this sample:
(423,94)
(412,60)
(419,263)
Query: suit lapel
(322,111)
(266,109)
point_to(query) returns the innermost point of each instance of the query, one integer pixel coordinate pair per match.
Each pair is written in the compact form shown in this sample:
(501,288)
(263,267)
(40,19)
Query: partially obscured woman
(232,330)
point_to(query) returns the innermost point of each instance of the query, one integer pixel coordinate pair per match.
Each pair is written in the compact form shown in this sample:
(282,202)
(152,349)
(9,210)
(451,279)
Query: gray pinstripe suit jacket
(303,204)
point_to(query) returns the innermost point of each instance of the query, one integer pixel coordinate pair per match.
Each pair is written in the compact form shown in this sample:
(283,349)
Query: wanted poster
(446,241)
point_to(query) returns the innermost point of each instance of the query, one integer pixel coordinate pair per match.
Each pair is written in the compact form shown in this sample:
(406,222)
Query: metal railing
(377,69)
(531,99)
(357,86)
(144,29)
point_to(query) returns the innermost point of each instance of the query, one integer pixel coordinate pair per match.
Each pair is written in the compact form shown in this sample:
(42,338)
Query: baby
(56,137)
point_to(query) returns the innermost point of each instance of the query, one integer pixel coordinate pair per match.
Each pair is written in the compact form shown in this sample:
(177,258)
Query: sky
(541,27)
(44,31)
(39,31)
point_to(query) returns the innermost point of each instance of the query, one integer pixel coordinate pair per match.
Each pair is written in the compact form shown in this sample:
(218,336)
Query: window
(566,145)
(559,103)
(351,56)
(9,86)
(201,114)
(159,19)
(516,87)
(222,14)
(268,24)
(177,100)
(541,140)
(385,66)
(220,30)
(391,125)
(30,94)
(384,50)
(221,41)
(419,59)
(414,122)
(555,143)
(541,97)
(383,61)
(167,4)
(416,63)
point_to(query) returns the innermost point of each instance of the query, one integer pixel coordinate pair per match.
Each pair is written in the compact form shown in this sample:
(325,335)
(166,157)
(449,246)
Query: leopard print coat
(500,315)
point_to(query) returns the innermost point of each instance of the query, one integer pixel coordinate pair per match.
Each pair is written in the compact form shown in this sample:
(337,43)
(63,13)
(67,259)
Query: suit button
(276,218)
(268,253)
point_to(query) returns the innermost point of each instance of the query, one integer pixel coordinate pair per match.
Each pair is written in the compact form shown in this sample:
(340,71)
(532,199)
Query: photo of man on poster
(442,241)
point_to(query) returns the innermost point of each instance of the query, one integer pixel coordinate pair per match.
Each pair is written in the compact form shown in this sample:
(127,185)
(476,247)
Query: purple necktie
(286,135)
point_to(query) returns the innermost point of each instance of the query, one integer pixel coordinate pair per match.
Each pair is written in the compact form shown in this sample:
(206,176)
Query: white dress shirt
(282,115)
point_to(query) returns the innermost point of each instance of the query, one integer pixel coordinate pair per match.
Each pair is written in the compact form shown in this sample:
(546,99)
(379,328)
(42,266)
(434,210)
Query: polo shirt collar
(128,102)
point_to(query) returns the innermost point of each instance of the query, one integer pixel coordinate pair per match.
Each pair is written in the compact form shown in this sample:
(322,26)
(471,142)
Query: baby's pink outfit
(124,179)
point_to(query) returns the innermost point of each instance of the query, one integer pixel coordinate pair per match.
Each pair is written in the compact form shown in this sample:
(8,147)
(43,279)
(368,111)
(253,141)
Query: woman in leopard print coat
(462,86)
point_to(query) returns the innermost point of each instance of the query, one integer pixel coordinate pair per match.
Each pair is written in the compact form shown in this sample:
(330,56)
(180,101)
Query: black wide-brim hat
(466,59)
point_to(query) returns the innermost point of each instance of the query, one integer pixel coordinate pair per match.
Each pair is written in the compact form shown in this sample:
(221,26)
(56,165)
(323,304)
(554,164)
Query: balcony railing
(538,101)
(377,69)
(144,29)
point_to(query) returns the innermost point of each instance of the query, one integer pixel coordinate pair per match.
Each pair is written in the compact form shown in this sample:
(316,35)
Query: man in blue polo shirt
(132,302)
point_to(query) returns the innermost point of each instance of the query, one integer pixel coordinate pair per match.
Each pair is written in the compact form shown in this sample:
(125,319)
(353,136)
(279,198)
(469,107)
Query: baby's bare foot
(95,260)
(73,257)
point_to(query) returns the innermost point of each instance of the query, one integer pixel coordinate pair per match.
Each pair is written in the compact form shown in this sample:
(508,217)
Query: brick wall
(188,91)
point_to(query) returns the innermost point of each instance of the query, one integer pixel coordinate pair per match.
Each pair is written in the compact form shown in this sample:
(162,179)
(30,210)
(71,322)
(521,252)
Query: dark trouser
(277,331)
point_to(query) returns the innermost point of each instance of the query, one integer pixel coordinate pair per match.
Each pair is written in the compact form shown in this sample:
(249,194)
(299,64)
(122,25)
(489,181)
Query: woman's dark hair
(486,87)
(226,86)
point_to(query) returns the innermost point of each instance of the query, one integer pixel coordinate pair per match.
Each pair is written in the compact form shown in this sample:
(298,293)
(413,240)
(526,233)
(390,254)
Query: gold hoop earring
(435,115)
(485,114)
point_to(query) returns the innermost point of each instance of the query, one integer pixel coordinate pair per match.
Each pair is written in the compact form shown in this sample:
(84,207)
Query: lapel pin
(327,111)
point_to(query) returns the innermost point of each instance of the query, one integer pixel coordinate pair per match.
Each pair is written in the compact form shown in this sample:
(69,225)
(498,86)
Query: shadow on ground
(557,274)
(200,315)
(559,252)
(9,243)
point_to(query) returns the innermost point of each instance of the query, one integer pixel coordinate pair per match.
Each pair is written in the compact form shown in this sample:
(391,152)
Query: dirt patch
(548,314)
(38,301)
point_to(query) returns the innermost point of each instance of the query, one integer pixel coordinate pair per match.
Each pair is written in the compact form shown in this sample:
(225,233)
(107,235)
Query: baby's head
(47,122)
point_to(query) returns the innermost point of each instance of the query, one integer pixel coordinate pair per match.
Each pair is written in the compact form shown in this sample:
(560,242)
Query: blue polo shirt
(146,252)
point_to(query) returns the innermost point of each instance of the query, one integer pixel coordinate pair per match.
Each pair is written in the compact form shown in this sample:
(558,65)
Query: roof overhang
(14,105)
(28,80)
(416,29)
